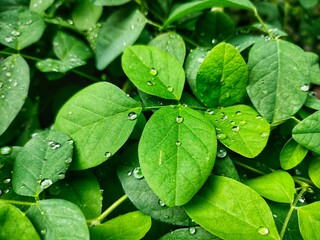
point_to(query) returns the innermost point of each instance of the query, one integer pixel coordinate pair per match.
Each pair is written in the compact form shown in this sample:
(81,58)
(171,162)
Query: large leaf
(20,28)
(14,224)
(307,132)
(278,79)
(58,219)
(241,129)
(231,210)
(41,162)
(125,26)
(100,118)
(176,152)
(14,86)
(277,186)
(292,154)
(309,220)
(133,225)
(222,77)
(154,71)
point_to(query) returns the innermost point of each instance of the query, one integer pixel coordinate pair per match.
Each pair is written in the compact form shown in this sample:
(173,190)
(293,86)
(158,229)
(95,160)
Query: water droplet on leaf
(68,160)
(192,230)
(200,60)
(9,39)
(302,199)
(243,122)
(170,89)
(137,173)
(129,173)
(238,112)
(153,72)
(6,150)
(150,83)
(162,204)
(132,116)
(61,176)
(221,153)
(235,128)
(7,180)
(264,134)
(221,136)
(108,155)
(263,230)
(15,33)
(305,87)
(210,111)
(178,143)
(179,119)
(45,183)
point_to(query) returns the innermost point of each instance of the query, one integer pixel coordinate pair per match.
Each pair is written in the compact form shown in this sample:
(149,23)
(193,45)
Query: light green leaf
(231,210)
(277,186)
(307,132)
(308,3)
(41,162)
(312,102)
(40,6)
(192,233)
(125,26)
(309,220)
(14,224)
(314,169)
(171,43)
(181,10)
(109,2)
(58,219)
(176,152)
(100,118)
(241,129)
(20,28)
(133,226)
(154,71)
(14,86)
(278,79)
(292,154)
(52,65)
(222,77)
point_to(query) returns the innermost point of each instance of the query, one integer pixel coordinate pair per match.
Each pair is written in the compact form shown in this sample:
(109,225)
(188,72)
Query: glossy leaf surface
(309,220)
(292,154)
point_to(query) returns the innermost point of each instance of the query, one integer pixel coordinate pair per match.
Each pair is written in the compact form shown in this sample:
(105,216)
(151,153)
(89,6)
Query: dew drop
(200,60)
(2,96)
(302,199)
(232,122)
(258,117)
(54,145)
(150,83)
(70,141)
(15,84)
(29,22)
(221,136)
(45,183)
(210,111)
(192,230)
(9,39)
(170,89)
(7,180)
(43,232)
(238,112)
(221,153)
(263,230)
(6,191)
(61,176)
(137,173)
(305,87)
(132,116)
(6,150)
(107,155)
(8,74)
(264,134)
(178,143)
(68,160)
(15,33)
(235,128)
(129,173)
(224,117)
(213,41)
(153,72)
(243,122)
(274,215)
(179,119)
(162,204)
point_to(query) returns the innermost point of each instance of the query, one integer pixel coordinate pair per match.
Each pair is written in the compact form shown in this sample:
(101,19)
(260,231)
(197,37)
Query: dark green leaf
(224,165)
(309,220)
(100,118)
(292,154)
(40,6)
(308,3)
(313,171)
(176,152)
(189,234)
(243,41)
(312,102)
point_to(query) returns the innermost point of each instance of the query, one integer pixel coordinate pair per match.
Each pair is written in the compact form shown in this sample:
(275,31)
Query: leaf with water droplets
(14,80)
(224,200)
(20,28)
(40,6)
(278,79)
(192,233)
(58,219)
(309,220)
(100,119)
(176,172)
(137,61)
(40,162)
(241,129)
(292,154)
(132,225)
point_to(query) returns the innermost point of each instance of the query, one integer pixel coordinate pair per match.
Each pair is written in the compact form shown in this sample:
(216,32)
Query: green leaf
(14,86)
(52,65)
(307,132)
(308,3)
(222,77)
(41,162)
(292,154)
(277,186)
(85,15)
(223,200)
(100,118)
(58,219)
(176,152)
(191,233)
(224,166)
(278,79)
(133,225)
(313,171)
(181,10)
(14,224)
(126,26)
(171,43)
(109,2)
(20,28)
(240,129)
(154,71)
(243,41)
(40,6)
(309,220)
(314,67)
(312,102)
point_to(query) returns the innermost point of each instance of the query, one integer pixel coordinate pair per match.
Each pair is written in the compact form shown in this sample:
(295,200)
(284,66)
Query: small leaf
(307,132)
(223,200)
(40,162)
(222,77)
(309,220)
(154,71)
(133,225)
(14,224)
(40,6)
(313,171)
(20,28)
(14,86)
(278,79)
(243,41)
(292,154)
(191,233)
(58,219)
(277,186)
(176,152)
(126,26)
(100,119)
(241,129)
(52,65)
(109,2)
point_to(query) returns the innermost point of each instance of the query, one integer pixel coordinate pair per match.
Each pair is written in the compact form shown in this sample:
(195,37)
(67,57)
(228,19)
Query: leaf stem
(62,23)
(17,202)
(256,14)
(248,167)
(154,24)
(85,75)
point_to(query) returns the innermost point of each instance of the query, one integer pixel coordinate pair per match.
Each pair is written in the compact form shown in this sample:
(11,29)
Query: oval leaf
(278,79)
(100,119)
(41,162)
(14,86)
(292,154)
(176,152)
(314,169)
(240,129)
(223,200)
(309,220)
(58,219)
(222,77)
(154,71)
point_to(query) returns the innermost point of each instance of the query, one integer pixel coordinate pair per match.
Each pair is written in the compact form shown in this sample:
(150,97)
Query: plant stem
(256,14)
(82,74)
(292,207)
(62,23)
(248,167)
(17,202)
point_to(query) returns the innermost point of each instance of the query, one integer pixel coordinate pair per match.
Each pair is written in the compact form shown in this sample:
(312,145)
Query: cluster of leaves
(202,114)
